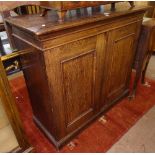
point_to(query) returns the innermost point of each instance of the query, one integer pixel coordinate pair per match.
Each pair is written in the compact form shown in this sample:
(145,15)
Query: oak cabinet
(77,69)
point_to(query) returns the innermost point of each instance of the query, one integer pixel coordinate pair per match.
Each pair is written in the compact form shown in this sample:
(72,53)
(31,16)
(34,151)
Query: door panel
(78,82)
(118,61)
(72,76)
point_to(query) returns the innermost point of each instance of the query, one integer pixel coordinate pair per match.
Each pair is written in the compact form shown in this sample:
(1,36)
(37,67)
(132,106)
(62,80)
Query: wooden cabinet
(77,69)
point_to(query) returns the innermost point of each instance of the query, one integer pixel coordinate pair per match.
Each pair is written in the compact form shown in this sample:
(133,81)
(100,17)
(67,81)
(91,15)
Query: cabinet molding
(77,69)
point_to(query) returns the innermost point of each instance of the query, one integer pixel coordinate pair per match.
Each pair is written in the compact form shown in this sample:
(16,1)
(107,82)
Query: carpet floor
(99,136)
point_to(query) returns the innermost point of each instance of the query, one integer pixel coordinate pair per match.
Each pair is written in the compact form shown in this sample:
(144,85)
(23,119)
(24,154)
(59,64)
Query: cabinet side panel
(33,67)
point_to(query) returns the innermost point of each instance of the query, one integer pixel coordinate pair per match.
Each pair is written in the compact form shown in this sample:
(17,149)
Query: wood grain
(76,69)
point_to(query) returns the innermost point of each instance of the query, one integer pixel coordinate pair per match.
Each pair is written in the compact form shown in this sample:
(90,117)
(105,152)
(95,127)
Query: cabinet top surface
(41,25)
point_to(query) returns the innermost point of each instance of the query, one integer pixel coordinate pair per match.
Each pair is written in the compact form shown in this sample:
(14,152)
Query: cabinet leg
(61,15)
(133,91)
(113,7)
(131,3)
(140,72)
(145,68)
(136,79)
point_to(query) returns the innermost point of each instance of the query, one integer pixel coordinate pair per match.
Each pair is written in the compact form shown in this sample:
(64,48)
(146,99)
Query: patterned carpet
(98,136)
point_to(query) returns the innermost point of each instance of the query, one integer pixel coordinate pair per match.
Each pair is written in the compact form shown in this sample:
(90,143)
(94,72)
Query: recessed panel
(78,82)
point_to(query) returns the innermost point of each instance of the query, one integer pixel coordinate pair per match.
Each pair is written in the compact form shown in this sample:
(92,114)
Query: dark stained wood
(145,49)
(77,69)
(39,79)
